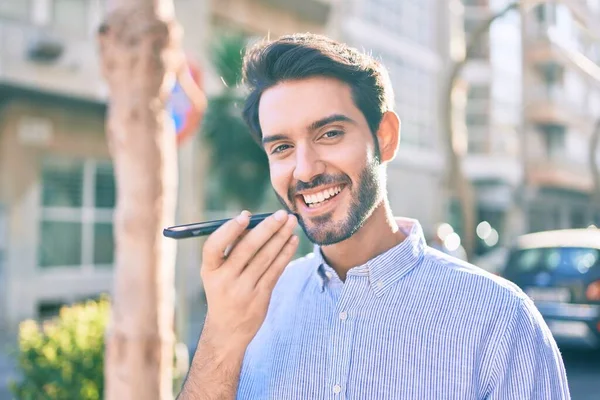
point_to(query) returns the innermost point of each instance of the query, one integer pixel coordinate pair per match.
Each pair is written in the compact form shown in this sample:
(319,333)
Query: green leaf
(227,56)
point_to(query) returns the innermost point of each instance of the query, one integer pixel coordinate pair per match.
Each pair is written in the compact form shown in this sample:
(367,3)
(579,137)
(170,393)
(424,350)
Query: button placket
(342,334)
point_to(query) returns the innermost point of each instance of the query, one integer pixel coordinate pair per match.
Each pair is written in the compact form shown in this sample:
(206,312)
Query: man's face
(322,156)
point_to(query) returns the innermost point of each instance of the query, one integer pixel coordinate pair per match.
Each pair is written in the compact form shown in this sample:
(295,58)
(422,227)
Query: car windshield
(562,260)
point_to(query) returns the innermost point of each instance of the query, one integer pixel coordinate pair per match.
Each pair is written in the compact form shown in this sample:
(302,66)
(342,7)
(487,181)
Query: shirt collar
(386,268)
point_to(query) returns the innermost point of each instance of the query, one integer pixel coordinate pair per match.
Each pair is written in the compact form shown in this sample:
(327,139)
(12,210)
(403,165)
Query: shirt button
(328,274)
(343,315)
(337,389)
(379,284)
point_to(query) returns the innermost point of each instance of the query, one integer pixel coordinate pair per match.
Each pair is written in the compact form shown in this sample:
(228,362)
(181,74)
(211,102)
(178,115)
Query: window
(546,13)
(478,138)
(569,261)
(579,218)
(477,120)
(555,140)
(537,219)
(415,89)
(77,201)
(478,3)
(415,20)
(70,15)
(479,92)
(543,217)
(48,310)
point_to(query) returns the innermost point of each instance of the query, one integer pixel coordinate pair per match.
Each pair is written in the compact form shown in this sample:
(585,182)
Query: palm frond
(227,54)
(239,163)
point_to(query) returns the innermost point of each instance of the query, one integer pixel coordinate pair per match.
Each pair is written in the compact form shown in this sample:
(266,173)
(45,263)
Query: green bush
(64,358)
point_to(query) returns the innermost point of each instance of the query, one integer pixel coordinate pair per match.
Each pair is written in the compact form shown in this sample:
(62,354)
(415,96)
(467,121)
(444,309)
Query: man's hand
(238,286)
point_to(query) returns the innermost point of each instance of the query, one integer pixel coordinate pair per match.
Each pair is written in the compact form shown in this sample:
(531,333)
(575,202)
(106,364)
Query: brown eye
(333,134)
(280,148)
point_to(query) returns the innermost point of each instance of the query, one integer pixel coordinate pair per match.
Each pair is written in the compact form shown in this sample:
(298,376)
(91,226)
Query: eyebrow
(328,120)
(312,127)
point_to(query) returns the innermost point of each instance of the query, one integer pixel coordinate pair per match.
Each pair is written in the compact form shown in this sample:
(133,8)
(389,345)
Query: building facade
(56,181)
(563,101)
(530,114)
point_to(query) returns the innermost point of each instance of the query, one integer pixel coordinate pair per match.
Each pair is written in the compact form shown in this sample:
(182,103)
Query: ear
(388,136)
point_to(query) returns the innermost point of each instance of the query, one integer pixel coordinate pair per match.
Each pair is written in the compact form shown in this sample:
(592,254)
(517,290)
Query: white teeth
(313,199)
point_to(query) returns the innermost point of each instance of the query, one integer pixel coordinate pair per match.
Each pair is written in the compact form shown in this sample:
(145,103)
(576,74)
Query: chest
(346,343)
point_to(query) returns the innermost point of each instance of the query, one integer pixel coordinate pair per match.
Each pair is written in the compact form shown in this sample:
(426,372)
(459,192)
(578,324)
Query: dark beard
(365,196)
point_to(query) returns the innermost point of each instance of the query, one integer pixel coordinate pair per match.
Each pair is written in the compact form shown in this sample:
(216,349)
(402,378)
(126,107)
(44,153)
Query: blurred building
(530,114)
(563,105)
(56,183)
(411,39)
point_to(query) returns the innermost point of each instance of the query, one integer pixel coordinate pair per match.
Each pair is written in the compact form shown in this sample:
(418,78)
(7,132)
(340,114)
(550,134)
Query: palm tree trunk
(140,58)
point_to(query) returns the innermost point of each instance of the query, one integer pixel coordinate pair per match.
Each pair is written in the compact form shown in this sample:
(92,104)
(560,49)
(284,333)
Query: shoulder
(477,284)
(491,305)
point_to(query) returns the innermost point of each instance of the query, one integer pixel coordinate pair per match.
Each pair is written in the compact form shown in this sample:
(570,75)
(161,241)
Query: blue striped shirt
(412,323)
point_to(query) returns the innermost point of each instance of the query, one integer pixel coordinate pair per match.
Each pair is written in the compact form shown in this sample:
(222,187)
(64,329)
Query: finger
(265,256)
(270,277)
(216,244)
(255,239)
(232,246)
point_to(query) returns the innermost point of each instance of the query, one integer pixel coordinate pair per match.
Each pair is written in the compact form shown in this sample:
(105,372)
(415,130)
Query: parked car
(560,272)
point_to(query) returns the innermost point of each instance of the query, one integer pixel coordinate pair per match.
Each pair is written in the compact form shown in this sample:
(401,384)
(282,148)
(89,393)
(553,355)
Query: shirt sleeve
(527,363)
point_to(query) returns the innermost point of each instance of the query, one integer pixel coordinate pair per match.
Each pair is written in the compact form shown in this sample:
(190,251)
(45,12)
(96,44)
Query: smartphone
(207,227)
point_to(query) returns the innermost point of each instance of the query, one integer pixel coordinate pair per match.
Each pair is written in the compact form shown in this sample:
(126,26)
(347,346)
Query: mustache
(319,180)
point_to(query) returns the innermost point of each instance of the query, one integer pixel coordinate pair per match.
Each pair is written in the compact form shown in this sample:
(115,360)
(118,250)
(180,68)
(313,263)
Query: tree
(239,165)
(141,57)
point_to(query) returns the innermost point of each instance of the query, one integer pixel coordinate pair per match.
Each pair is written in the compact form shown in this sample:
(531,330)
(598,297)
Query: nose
(308,164)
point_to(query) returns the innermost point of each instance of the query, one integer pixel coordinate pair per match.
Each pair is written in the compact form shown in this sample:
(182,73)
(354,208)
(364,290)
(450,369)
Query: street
(583,373)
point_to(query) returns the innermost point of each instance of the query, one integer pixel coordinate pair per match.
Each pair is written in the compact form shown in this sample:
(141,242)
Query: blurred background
(520,123)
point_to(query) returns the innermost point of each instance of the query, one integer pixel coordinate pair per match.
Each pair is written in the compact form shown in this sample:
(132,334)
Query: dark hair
(301,56)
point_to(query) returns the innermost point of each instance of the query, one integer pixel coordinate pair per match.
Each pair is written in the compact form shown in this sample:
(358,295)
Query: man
(373,313)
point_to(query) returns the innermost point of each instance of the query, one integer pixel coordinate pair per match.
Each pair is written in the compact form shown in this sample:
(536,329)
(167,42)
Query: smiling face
(323,159)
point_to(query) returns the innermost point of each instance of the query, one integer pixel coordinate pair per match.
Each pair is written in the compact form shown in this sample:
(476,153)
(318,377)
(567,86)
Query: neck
(378,234)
